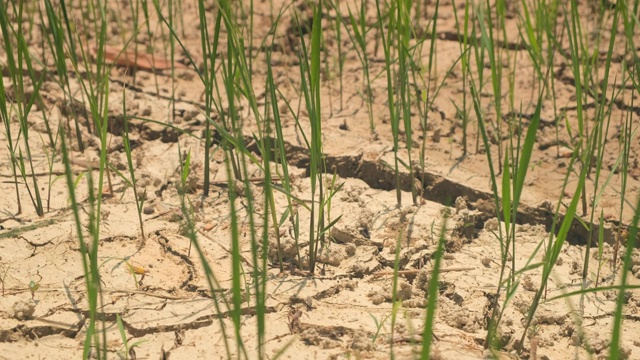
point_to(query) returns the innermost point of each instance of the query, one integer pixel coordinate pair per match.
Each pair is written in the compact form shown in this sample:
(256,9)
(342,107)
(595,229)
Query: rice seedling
(139,197)
(403,35)
(128,349)
(89,251)
(395,301)
(432,300)
(359,39)
(310,82)
(393,114)
(16,60)
(12,150)
(341,55)
(257,119)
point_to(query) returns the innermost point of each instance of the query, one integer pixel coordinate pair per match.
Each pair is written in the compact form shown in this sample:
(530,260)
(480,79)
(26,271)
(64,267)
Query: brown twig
(416,271)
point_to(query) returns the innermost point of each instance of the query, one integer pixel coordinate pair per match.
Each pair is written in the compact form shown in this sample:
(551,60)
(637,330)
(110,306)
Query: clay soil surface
(344,311)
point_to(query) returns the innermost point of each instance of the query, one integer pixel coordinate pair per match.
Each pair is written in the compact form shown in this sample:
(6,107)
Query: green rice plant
(488,45)
(596,146)
(134,6)
(359,39)
(191,233)
(281,156)
(555,245)
(393,113)
(516,163)
(403,35)
(378,325)
(512,186)
(17,58)
(95,87)
(310,81)
(531,33)
(128,349)
(33,287)
(629,128)
(341,55)
(56,46)
(58,41)
(51,160)
(250,36)
(209,51)
(234,67)
(172,57)
(578,61)
(259,250)
(150,47)
(425,100)
(622,288)
(6,120)
(236,81)
(537,28)
(614,352)
(172,47)
(431,88)
(600,246)
(465,56)
(434,286)
(236,265)
(55,28)
(139,198)
(89,251)
(516,160)
(395,302)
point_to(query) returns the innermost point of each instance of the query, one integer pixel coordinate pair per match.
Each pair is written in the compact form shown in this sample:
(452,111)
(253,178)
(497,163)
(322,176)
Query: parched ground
(344,311)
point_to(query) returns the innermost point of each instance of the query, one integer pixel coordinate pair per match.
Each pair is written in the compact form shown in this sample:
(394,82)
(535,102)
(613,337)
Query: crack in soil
(165,245)
(438,188)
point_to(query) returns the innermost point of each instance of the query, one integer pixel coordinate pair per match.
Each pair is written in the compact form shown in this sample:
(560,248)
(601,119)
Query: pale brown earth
(334,314)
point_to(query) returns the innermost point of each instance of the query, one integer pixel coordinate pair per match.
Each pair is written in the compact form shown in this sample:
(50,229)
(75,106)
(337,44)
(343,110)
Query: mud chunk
(486,261)
(528,283)
(405,291)
(346,234)
(376,298)
(357,271)
(492,224)
(453,245)
(461,204)
(23,310)
(331,257)
(465,223)
(362,342)
(288,249)
(422,280)
(599,344)
(415,303)
(462,318)
(546,315)
(350,250)
(311,337)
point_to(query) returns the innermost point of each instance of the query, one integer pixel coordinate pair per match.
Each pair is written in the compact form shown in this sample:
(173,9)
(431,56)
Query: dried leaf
(141,60)
(136,269)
